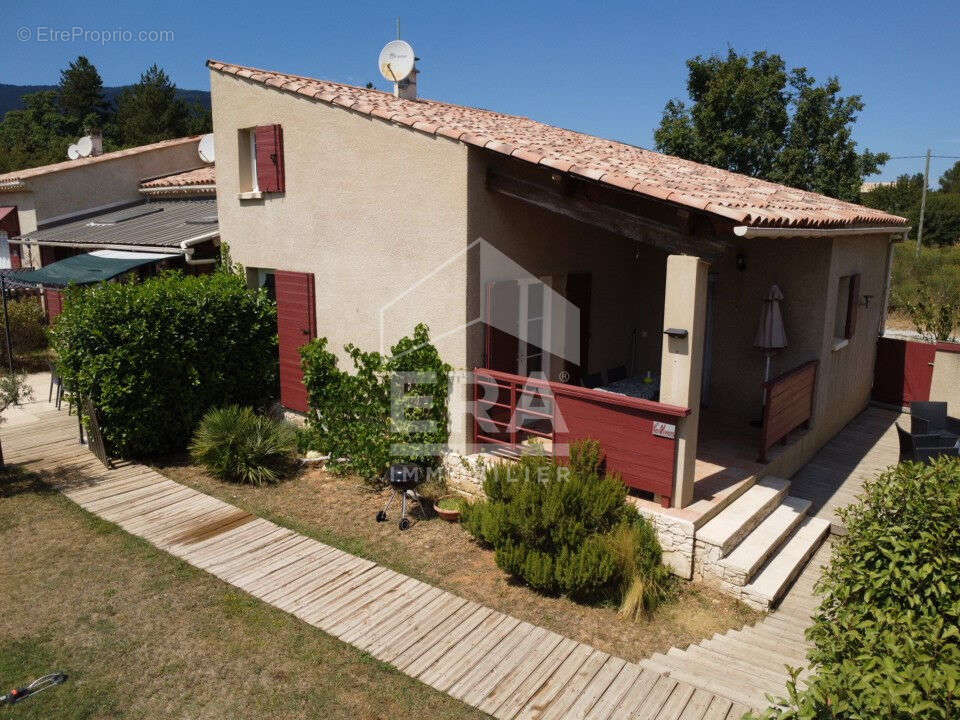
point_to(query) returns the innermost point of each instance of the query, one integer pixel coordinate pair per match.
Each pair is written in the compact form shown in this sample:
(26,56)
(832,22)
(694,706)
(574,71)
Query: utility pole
(923,201)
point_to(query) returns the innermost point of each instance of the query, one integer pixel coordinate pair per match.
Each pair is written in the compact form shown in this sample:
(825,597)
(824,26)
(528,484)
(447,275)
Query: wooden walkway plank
(505,667)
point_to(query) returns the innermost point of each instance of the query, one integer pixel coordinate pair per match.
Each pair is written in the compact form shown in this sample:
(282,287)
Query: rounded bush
(155,356)
(234,443)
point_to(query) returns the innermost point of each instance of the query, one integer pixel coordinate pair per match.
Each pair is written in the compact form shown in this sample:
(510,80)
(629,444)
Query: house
(149,207)
(368,213)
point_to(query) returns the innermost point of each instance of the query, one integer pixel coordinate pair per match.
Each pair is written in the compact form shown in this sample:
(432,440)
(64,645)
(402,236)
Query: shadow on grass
(15,480)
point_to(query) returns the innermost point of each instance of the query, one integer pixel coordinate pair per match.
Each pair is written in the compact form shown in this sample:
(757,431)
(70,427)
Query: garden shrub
(926,286)
(350,413)
(886,638)
(28,327)
(235,443)
(556,527)
(155,356)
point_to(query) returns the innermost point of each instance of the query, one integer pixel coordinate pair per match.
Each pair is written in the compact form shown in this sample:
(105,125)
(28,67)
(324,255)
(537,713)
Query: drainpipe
(887,283)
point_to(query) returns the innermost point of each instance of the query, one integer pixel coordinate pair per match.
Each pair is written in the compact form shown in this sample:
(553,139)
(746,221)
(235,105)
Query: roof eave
(748,231)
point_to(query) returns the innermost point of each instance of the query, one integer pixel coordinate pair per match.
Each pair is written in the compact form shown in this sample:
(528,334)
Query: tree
(13,391)
(950,180)
(81,97)
(150,111)
(37,135)
(900,198)
(750,115)
(941,219)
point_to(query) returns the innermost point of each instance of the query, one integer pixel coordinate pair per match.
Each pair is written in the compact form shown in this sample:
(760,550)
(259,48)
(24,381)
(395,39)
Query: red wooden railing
(637,436)
(789,404)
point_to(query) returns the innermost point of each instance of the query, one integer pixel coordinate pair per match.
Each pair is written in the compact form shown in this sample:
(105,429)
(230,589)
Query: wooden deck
(834,476)
(490,660)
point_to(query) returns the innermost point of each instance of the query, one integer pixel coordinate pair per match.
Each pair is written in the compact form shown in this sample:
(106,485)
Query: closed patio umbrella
(770,333)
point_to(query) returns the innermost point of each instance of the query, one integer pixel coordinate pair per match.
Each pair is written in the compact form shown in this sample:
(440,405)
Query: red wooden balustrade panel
(634,433)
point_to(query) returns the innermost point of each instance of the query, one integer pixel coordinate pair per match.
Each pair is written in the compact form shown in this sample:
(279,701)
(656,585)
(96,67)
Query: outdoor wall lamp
(675,332)
(741,262)
(866,300)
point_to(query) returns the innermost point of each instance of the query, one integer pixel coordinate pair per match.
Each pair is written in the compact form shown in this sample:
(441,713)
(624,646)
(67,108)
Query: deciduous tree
(751,115)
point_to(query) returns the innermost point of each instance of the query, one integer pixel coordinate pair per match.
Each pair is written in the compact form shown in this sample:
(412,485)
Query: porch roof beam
(573,204)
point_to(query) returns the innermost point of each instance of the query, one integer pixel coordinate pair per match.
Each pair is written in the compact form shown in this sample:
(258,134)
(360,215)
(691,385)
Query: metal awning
(93,267)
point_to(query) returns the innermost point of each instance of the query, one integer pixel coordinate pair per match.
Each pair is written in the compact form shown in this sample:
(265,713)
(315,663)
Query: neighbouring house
(142,209)
(366,213)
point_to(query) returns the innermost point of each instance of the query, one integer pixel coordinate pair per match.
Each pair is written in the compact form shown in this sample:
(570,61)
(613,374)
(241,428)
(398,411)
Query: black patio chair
(55,381)
(930,418)
(920,448)
(593,380)
(617,374)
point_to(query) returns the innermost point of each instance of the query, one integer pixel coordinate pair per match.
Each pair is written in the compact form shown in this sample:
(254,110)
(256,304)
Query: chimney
(96,138)
(407,88)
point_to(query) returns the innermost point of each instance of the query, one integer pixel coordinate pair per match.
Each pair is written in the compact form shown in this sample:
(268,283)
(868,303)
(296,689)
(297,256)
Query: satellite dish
(396,60)
(85,146)
(205,148)
(72,152)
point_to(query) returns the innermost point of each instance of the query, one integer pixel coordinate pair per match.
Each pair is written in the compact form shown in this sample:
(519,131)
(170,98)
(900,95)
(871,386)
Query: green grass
(143,635)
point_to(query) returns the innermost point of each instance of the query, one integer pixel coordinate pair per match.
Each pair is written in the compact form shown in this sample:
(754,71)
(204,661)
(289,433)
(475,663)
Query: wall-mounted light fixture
(866,300)
(741,262)
(675,332)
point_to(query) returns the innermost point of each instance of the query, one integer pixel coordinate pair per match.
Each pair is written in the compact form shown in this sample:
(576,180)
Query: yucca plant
(234,443)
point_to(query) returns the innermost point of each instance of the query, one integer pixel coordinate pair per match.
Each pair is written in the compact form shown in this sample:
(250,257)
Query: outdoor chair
(616,374)
(592,380)
(930,418)
(920,448)
(55,382)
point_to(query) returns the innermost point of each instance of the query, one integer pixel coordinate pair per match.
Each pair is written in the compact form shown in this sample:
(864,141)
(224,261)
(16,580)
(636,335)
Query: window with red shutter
(269,153)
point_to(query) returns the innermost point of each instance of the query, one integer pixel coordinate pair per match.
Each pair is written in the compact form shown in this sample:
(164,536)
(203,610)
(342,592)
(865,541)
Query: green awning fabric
(90,268)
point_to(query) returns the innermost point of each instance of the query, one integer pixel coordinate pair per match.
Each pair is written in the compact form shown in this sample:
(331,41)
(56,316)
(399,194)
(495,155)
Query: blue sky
(606,69)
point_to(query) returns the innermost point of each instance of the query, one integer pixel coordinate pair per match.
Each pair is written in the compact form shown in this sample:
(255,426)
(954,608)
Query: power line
(921,157)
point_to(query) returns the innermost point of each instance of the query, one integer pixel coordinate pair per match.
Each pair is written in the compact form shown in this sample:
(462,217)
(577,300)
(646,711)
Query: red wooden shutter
(269,144)
(54,304)
(853,305)
(15,261)
(296,326)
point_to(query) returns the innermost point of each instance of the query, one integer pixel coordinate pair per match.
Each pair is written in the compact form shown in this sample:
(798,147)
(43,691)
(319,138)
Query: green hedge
(886,638)
(561,529)
(156,355)
(350,413)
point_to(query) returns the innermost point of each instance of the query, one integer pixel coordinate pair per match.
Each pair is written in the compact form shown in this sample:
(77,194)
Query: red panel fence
(637,436)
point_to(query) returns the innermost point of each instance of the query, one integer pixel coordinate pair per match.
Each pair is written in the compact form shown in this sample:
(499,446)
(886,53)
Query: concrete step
(740,517)
(774,578)
(754,550)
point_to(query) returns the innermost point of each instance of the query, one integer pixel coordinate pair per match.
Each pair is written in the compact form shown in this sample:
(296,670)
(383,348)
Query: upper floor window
(261,160)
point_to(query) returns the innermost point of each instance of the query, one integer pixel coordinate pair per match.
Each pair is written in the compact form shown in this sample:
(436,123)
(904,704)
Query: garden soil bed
(340,511)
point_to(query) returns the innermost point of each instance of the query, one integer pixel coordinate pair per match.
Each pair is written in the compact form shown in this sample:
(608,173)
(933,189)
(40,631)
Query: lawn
(144,635)
(340,511)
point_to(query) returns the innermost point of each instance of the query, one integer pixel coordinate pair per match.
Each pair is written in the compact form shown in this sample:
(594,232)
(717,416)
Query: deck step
(775,576)
(740,517)
(746,558)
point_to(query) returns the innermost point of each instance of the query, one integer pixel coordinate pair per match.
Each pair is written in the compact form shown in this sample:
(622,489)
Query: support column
(681,364)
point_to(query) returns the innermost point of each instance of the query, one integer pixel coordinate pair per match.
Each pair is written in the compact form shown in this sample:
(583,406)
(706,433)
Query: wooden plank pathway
(834,477)
(497,663)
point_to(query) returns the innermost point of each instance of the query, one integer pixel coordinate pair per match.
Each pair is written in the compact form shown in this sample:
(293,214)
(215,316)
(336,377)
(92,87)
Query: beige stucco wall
(800,267)
(376,212)
(96,185)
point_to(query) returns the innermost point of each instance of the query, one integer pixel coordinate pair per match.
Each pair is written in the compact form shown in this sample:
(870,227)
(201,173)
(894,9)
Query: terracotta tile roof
(198,177)
(740,198)
(28,173)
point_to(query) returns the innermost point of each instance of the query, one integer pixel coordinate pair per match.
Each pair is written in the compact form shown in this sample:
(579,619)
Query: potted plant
(449,507)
